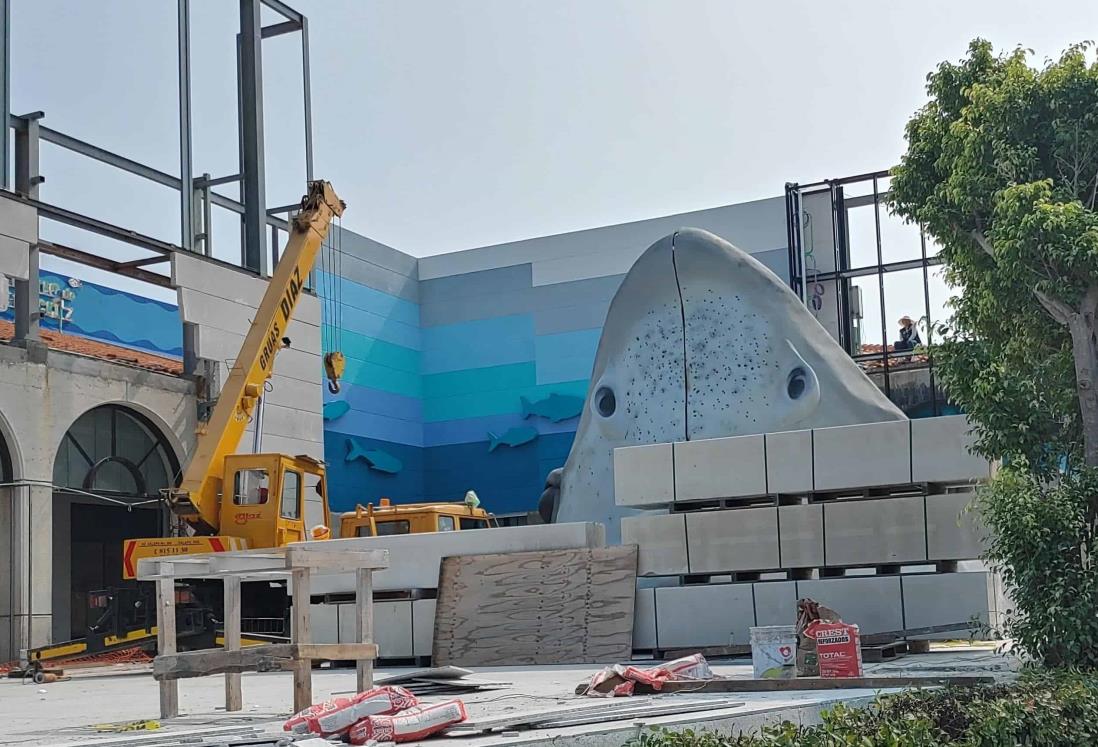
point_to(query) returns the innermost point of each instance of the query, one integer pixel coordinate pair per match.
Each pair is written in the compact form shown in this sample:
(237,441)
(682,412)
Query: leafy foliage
(1002,170)
(1041,710)
(1041,542)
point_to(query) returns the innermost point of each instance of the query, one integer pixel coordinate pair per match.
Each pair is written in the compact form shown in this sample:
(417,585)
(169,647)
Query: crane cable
(331,292)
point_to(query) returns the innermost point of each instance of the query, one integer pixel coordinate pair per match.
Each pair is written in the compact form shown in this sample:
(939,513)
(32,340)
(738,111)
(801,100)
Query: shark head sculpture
(702,341)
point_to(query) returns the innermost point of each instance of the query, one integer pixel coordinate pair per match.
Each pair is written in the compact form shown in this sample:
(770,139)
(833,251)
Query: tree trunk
(1085,351)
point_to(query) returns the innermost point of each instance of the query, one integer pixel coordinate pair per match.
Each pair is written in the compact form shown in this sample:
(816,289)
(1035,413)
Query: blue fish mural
(513,437)
(336,409)
(555,407)
(376,458)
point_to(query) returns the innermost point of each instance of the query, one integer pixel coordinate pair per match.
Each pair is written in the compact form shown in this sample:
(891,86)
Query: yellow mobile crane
(238,501)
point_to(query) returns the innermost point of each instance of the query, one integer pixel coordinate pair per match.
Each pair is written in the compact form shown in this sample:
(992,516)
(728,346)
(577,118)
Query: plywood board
(557,607)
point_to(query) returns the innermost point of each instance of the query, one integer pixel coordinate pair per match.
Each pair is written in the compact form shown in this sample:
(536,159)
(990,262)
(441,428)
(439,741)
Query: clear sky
(449,125)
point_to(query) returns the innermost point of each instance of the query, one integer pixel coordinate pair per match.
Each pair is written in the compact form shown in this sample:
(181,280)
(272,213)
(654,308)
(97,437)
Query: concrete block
(789,462)
(888,530)
(18,221)
(324,622)
(392,627)
(704,615)
(940,451)
(801,536)
(720,468)
(231,284)
(873,603)
(661,543)
(741,539)
(945,598)
(414,558)
(423,626)
(775,603)
(644,620)
(952,532)
(855,456)
(644,475)
(14,263)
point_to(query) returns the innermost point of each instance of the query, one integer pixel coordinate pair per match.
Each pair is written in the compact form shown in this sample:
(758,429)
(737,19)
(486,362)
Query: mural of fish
(555,407)
(376,459)
(335,409)
(516,436)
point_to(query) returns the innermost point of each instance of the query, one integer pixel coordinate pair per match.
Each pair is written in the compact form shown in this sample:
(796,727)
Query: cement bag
(336,716)
(408,726)
(809,612)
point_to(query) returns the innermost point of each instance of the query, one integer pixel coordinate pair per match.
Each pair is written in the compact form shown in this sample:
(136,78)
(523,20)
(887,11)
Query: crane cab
(263,497)
(262,504)
(386,519)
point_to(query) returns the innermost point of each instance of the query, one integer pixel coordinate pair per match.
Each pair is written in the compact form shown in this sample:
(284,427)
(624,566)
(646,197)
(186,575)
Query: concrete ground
(67,712)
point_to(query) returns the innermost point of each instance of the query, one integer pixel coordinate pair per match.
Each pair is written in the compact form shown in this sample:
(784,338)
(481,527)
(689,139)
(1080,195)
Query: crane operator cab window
(251,487)
(291,495)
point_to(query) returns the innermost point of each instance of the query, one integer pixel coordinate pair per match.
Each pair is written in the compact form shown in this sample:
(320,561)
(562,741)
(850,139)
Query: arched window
(114,450)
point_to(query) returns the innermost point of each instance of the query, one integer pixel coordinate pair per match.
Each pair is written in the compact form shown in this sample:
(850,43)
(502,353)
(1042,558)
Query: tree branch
(979,238)
(1059,310)
(1090,301)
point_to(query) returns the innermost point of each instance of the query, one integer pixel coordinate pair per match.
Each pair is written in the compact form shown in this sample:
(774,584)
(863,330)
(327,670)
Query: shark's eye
(798,383)
(605,402)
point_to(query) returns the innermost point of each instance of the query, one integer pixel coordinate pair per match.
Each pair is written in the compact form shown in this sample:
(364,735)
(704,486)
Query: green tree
(1002,170)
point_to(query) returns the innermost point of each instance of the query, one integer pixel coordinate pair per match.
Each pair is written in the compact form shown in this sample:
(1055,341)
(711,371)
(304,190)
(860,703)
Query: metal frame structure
(802,274)
(196,195)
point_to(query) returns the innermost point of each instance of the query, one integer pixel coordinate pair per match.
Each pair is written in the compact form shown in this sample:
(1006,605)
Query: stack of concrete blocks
(404,626)
(217,304)
(767,519)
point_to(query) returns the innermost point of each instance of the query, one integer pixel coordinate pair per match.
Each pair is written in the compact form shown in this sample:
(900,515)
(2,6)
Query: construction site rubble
(622,679)
(336,716)
(409,725)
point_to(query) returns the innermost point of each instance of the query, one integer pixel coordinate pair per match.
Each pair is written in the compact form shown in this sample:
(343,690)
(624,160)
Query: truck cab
(387,519)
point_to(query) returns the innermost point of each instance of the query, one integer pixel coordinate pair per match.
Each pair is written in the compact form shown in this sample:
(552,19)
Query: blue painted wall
(97,312)
(434,365)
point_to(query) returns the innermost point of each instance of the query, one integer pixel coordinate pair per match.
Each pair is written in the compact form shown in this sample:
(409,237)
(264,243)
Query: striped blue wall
(435,365)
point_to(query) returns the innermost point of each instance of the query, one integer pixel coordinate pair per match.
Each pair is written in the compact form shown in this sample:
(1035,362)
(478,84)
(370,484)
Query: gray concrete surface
(64,712)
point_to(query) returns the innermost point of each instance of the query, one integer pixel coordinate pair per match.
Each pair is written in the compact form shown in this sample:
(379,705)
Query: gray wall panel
(377,253)
(481,282)
(381,278)
(570,318)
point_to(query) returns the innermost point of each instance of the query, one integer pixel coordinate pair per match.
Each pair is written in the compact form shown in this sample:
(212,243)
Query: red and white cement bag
(621,679)
(838,648)
(408,726)
(336,716)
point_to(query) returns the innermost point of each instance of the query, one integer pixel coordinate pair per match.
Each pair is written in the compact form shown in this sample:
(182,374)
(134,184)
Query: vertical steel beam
(307,93)
(5,91)
(186,170)
(27,179)
(250,86)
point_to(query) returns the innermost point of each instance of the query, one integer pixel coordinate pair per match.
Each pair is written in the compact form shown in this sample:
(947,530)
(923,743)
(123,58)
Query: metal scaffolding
(197,197)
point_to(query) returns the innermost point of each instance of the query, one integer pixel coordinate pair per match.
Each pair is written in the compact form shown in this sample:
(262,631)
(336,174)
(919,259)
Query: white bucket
(774,652)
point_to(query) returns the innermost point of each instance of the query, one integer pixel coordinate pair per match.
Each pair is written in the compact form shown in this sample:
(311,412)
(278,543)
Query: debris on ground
(441,681)
(409,725)
(335,717)
(622,679)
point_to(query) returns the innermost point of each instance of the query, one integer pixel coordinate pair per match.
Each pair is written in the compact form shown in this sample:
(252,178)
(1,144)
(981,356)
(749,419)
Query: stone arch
(108,470)
(116,448)
(11,463)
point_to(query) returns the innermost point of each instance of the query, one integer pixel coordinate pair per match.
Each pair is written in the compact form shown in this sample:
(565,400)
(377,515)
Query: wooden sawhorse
(299,562)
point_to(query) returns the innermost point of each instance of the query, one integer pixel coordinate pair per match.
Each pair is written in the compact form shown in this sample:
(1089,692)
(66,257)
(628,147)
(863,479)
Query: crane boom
(197,498)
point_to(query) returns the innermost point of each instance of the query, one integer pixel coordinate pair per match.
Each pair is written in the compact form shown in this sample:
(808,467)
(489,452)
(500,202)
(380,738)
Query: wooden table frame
(299,563)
